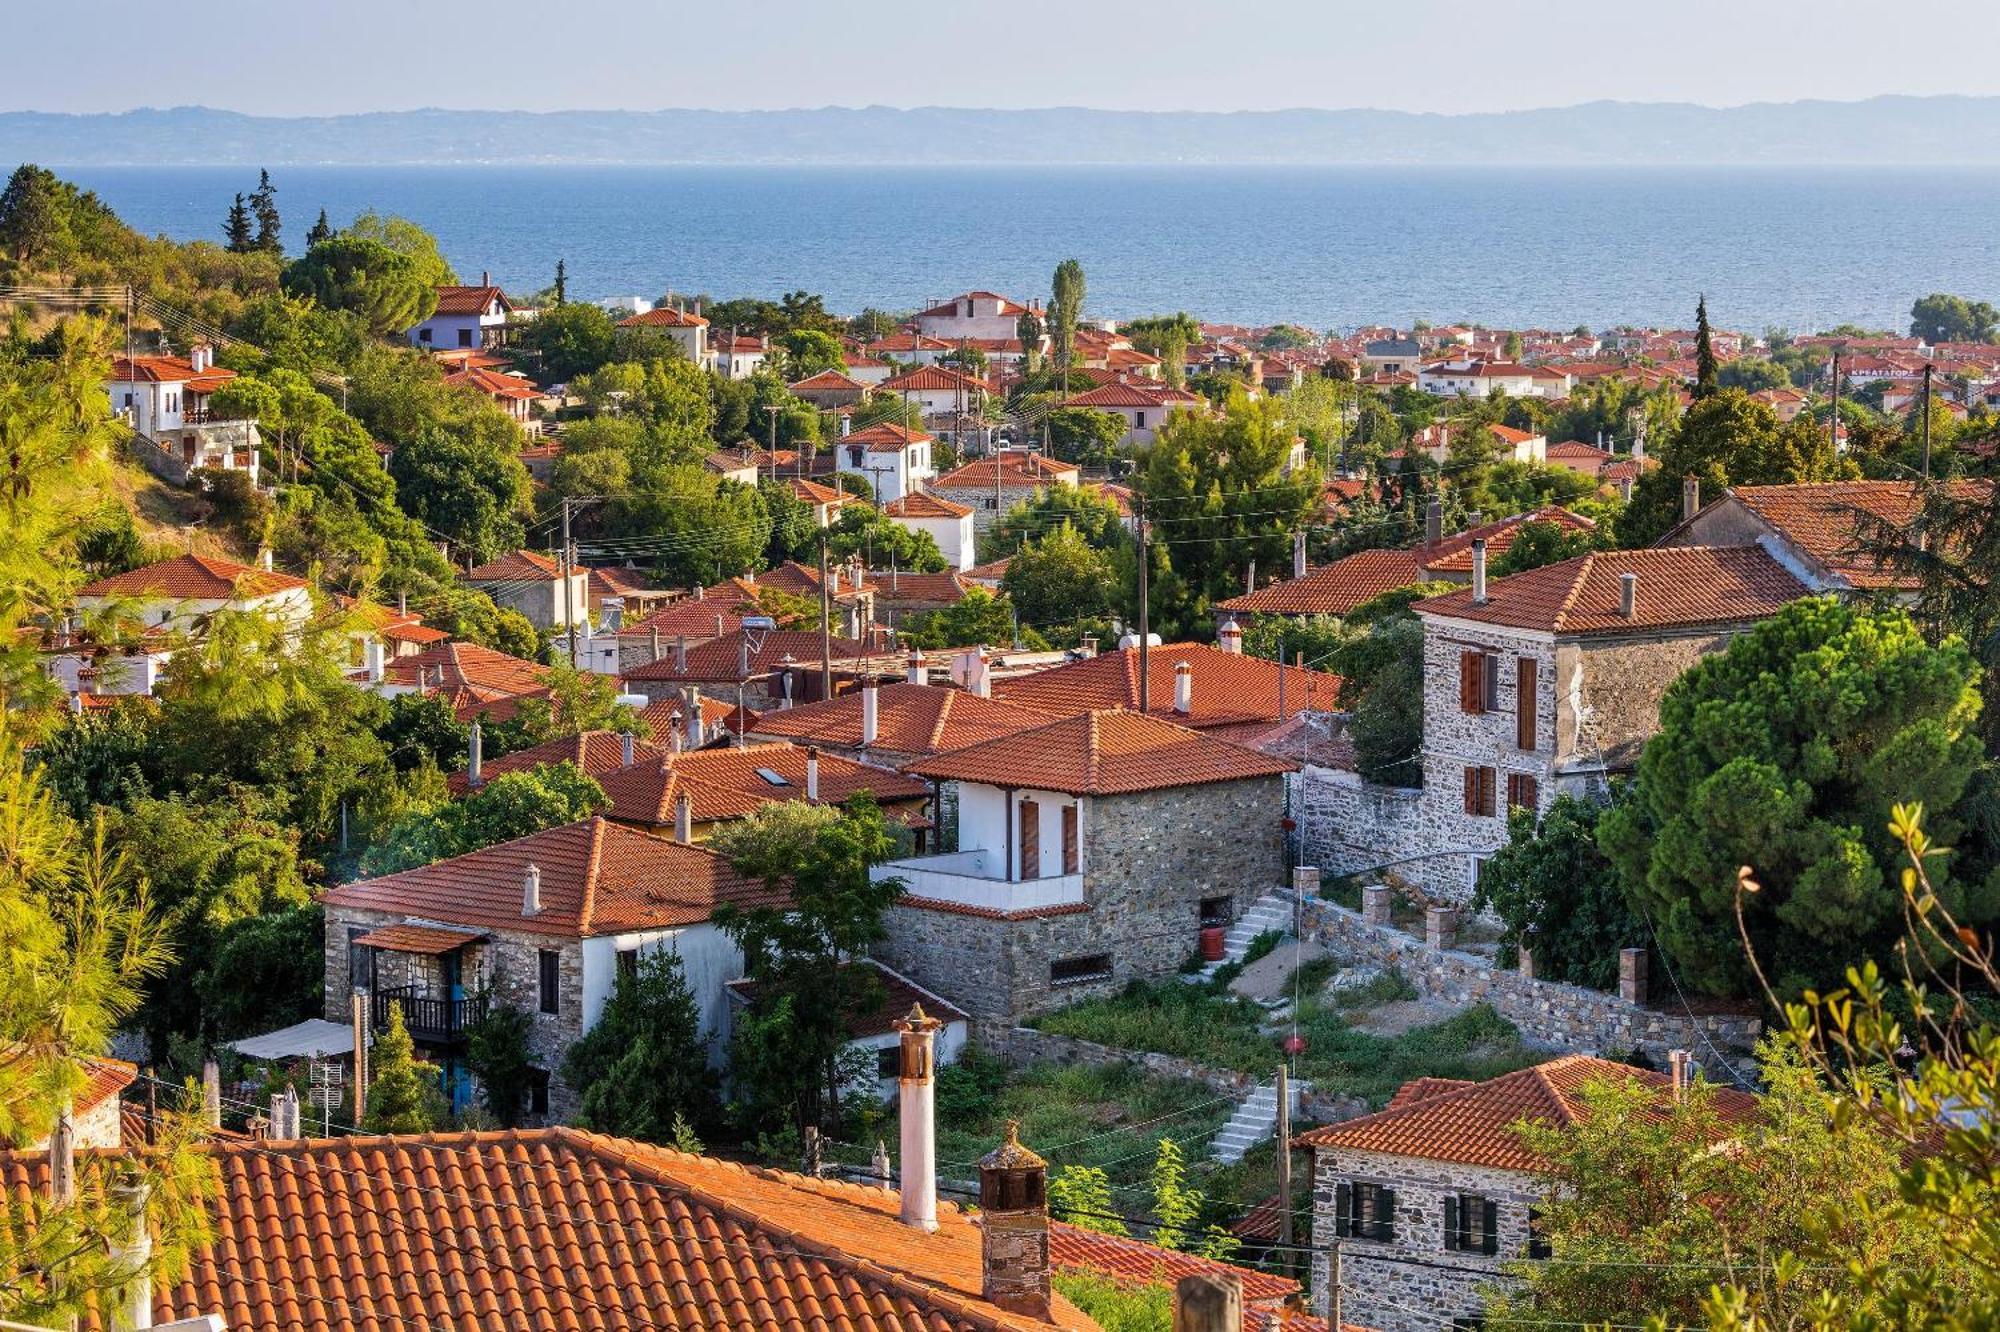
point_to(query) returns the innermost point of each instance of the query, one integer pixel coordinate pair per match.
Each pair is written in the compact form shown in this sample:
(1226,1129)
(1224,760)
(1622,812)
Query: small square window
(889,1062)
(1471,1223)
(1365,1211)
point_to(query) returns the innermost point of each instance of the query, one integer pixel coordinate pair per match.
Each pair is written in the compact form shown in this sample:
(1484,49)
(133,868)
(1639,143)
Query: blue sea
(1329,247)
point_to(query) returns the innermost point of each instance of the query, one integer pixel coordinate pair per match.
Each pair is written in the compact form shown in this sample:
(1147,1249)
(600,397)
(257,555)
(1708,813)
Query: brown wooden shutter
(1489,782)
(1031,840)
(1529,793)
(1524,702)
(1071,858)
(1472,790)
(1471,682)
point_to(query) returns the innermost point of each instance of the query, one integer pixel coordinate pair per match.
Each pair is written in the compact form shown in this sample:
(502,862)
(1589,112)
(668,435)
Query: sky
(290,57)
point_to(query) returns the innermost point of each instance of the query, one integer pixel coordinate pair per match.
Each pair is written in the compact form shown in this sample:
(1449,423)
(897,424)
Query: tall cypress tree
(403,1094)
(562,282)
(321,230)
(264,203)
(1704,353)
(237,228)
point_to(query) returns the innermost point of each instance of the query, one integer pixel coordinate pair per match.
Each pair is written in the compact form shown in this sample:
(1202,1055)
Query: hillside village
(684,812)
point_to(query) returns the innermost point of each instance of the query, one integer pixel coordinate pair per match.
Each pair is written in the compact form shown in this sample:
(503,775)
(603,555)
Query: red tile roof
(104,1078)
(1102,752)
(1336,588)
(1229,688)
(1474,1124)
(897,994)
(933,379)
(597,878)
(884,437)
(1679,587)
(167,370)
(910,591)
(923,504)
(426,939)
(696,617)
(649,794)
(1128,394)
(827,381)
(1454,553)
(469,300)
(909,719)
(812,492)
(663,316)
(1824,520)
(947,309)
(1016,468)
(661,718)
(193,577)
(593,752)
(1134,1260)
(840,779)
(480,671)
(721,660)
(560,1230)
(493,384)
(517,566)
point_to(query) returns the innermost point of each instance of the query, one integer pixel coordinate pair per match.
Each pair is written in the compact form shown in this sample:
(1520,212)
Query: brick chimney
(531,890)
(1014,1227)
(684,820)
(473,778)
(916,1091)
(1628,595)
(1229,637)
(812,767)
(1183,688)
(1479,571)
(871,713)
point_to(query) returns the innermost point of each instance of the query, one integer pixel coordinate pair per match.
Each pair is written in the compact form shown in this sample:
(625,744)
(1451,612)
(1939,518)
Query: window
(1524,703)
(1538,1243)
(1031,839)
(465,337)
(423,335)
(360,957)
(551,1001)
(1216,911)
(889,1061)
(1140,424)
(628,963)
(128,400)
(1072,852)
(1365,1211)
(1523,791)
(1481,788)
(1472,681)
(1471,1223)
(772,778)
(538,1091)
(1075,970)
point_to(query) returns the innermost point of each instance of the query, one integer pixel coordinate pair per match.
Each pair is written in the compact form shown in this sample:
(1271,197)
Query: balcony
(432,1019)
(977,879)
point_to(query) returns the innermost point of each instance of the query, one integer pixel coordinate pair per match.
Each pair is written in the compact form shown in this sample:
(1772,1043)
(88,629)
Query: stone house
(830,390)
(537,586)
(761,669)
(1550,681)
(993,485)
(1433,1197)
(895,724)
(544,923)
(1091,851)
(1215,690)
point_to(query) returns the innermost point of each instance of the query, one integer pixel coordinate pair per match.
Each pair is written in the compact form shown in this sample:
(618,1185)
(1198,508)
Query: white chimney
(374,657)
(201,356)
(870,713)
(1628,595)
(917,1109)
(131,1250)
(1299,553)
(1229,637)
(683,819)
(1680,1071)
(981,678)
(627,743)
(1479,571)
(264,561)
(697,731)
(680,653)
(1690,497)
(531,890)
(472,774)
(918,673)
(1183,688)
(812,773)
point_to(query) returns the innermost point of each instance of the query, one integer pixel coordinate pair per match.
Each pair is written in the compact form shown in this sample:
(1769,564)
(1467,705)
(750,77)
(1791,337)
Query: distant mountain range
(1879,131)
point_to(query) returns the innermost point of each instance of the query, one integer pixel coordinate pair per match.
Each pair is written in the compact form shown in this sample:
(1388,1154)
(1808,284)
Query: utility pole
(1285,1163)
(1927,421)
(1145,618)
(1833,421)
(1333,1270)
(825,626)
(564,565)
(771,410)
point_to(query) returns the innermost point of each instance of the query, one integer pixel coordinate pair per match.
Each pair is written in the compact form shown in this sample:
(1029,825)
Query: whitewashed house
(165,401)
(949,524)
(465,317)
(893,459)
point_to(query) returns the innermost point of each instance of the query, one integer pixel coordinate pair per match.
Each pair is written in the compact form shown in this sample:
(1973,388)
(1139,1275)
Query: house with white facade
(1475,377)
(544,923)
(686,327)
(892,458)
(939,390)
(164,399)
(972,314)
(1144,405)
(1509,444)
(949,524)
(739,355)
(465,317)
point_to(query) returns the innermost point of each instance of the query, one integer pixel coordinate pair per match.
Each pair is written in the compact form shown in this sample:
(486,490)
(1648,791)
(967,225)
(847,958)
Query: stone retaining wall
(1550,1014)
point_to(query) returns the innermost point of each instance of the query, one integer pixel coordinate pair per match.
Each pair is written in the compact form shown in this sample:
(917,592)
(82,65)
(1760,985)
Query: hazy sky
(300,58)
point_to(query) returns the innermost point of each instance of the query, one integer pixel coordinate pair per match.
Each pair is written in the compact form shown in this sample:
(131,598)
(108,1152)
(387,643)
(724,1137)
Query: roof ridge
(591,867)
(1576,586)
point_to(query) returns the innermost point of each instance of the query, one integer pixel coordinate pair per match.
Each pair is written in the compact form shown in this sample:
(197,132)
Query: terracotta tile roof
(923,504)
(1125,393)
(614,581)
(828,381)
(193,577)
(593,752)
(597,878)
(884,437)
(1454,553)
(517,566)
(1336,588)
(663,316)
(909,719)
(425,939)
(1679,586)
(933,379)
(1017,468)
(812,492)
(909,591)
(947,309)
(1228,688)
(1102,752)
(1134,1260)
(481,671)
(404,632)
(695,617)
(561,1230)
(990,572)
(648,795)
(1474,1124)
(1422,1089)
(720,660)
(492,383)
(904,344)
(469,300)
(1822,520)
(167,370)
(661,718)
(840,779)
(104,1078)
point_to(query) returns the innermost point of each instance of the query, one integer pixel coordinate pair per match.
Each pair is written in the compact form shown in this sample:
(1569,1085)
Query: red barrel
(1211,943)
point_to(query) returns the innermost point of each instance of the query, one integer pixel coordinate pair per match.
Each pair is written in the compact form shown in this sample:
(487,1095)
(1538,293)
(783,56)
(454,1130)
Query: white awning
(313,1038)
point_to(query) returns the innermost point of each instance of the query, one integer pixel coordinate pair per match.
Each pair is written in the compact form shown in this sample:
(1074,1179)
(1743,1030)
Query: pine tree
(237,228)
(322,230)
(264,203)
(403,1095)
(1704,353)
(562,281)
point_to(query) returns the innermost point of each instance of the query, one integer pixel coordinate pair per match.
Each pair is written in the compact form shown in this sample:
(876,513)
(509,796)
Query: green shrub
(1261,946)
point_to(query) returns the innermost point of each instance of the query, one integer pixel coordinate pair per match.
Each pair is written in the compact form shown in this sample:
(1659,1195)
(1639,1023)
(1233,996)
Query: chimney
(1433,521)
(373,657)
(1209,1303)
(916,1107)
(918,673)
(845,425)
(1229,637)
(1690,497)
(1474,519)
(131,1251)
(62,1160)
(485,278)
(697,730)
(1183,688)
(812,771)
(1014,1227)
(473,778)
(1087,646)
(211,1094)
(1299,553)
(684,819)
(1479,571)
(981,681)
(264,558)
(870,713)
(531,890)
(1680,1070)
(680,651)
(627,742)
(1628,595)
(611,614)
(718,624)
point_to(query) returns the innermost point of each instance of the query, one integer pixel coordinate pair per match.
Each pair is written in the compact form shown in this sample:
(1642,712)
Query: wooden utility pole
(1927,421)
(1145,619)
(771,410)
(825,623)
(1285,1161)
(565,566)
(1833,419)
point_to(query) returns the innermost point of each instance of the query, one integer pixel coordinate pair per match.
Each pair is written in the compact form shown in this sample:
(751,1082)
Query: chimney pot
(1183,688)
(1628,595)
(264,559)
(132,1251)
(1229,637)
(918,672)
(1680,1067)
(1479,571)
(870,713)
(684,820)
(917,1108)
(697,730)
(531,890)
(812,772)
(627,743)
(1690,497)
(1014,1227)
(473,777)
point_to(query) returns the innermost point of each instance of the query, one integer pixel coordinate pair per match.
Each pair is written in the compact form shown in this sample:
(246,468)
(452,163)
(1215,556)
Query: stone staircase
(1272,911)
(1254,1122)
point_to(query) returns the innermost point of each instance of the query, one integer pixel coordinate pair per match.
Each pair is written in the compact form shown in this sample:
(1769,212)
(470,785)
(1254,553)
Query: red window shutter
(1031,840)
(1071,858)
(1471,682)
(1489,782)
(1524,702)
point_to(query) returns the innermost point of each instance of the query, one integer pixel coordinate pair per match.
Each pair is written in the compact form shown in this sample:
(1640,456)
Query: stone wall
(1347,825)
(1412,1283)
(1550,1014)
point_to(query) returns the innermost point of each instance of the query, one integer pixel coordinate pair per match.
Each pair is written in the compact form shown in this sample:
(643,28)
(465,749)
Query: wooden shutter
(1523,791)
(1524,703)
(1031,840)
(1452,1237)
(1489,791)
(1343,1210)
(1489,1235)
(1472,790)
(1471,681)
(1385,1214)
(1072,859)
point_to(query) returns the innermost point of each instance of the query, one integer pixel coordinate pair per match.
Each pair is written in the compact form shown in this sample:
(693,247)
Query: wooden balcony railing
(434,1019)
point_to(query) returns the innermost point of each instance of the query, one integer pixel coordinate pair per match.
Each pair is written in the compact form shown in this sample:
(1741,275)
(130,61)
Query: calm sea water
(1327,247)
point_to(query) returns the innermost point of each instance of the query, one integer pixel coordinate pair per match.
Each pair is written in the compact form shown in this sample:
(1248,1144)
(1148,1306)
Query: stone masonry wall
(1412,1283)
(1022,1046)
(1347,825)
(1550,1014)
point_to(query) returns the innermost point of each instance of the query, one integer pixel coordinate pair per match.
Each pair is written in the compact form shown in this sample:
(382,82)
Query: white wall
(985,814)
(953,537)
(951,1040)
(708,957)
